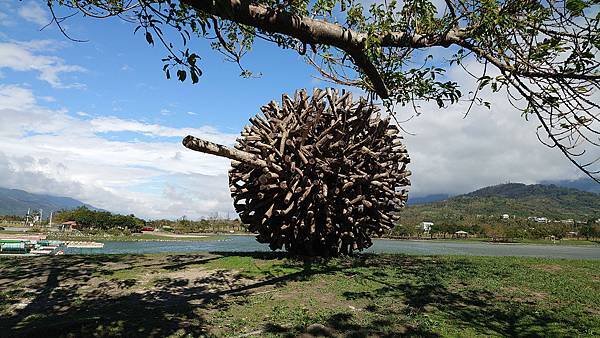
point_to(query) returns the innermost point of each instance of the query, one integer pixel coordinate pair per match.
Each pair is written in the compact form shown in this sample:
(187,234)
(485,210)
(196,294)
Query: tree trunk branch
(311,31)
(208,147)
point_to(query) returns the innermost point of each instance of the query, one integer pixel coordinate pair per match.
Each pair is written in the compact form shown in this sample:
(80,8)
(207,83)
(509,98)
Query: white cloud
(453,154)
(33,12)
(50,151)
(114,124)
(24,56)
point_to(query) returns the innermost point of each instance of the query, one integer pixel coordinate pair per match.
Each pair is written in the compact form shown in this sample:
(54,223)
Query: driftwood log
(317,175)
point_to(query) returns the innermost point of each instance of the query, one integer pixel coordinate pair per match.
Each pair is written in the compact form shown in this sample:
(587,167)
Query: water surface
(248,244)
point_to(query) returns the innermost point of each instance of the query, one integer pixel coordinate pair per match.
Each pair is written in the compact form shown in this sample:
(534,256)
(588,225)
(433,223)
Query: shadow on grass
(61,296)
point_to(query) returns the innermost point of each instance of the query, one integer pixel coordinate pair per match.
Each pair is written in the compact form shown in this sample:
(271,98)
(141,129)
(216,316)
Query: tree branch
(208,147)
(312,31)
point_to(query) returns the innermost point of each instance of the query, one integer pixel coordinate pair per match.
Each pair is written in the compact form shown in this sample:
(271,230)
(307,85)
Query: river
(248,244)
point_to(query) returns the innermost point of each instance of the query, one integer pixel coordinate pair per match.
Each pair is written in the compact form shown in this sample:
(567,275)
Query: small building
(69,225)
(461,234)
(505,216)
(426,226)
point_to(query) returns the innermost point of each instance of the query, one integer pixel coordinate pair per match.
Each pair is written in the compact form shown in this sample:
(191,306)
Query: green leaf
(149,38)
(576,7)
(181,75)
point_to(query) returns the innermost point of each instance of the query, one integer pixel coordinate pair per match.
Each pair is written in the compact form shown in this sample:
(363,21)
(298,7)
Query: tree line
(100,220)
(492,227)
(184,225)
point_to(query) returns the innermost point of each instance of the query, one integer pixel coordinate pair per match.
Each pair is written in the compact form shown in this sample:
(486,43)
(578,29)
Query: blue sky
(123,76)
(99,122)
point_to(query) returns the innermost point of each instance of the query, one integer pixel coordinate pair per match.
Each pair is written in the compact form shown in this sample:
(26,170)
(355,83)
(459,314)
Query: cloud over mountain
(52,151)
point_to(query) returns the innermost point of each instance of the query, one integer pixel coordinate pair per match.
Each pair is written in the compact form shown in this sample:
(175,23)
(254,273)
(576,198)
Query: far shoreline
(160,236)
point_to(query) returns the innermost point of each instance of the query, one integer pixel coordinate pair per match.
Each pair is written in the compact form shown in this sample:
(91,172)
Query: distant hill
(427,199)
(16,202)
(516,199)
(520,190)
(583,184)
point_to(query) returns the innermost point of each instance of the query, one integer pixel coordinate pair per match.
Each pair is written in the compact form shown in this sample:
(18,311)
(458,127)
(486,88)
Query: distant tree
(402,230)
(475,229)
(12,218)
(100,220)
(437,229)
(542,54)
(558,230)
(590,229)
(494,231)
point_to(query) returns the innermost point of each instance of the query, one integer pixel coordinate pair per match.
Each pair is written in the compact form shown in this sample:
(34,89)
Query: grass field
(268,295)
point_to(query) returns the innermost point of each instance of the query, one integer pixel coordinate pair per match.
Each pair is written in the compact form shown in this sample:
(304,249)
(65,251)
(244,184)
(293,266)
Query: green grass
(264,294)
(448,296)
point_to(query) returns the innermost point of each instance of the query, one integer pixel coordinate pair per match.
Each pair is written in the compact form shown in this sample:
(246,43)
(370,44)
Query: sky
(98,121)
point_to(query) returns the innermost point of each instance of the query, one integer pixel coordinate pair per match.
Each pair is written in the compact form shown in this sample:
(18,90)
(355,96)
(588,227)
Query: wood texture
(317,175)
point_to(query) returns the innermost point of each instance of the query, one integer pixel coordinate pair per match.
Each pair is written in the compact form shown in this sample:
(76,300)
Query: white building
(426,226)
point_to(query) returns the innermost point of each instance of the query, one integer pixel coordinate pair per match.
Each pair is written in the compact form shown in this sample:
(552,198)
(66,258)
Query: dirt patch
(593,311)
(521,295)
(549,267)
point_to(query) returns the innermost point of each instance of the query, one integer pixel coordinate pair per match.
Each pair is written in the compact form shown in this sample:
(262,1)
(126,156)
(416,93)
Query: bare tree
(545,52)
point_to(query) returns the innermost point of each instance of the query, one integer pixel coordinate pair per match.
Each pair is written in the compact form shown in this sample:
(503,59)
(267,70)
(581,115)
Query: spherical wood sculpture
(317,175)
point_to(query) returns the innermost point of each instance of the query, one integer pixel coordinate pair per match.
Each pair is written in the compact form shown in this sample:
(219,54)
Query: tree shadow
(76,296)
(62,296)
(421,286)
(69,295)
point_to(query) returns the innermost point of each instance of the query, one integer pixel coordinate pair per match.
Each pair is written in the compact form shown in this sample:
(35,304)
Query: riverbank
(168,236)
(567,242)
(265,294)
(142,237)
(233,243)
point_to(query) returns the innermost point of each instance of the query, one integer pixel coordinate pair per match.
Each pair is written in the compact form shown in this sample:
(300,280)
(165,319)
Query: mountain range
(515,199)
(560,199)
(17,202)
(582,184)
